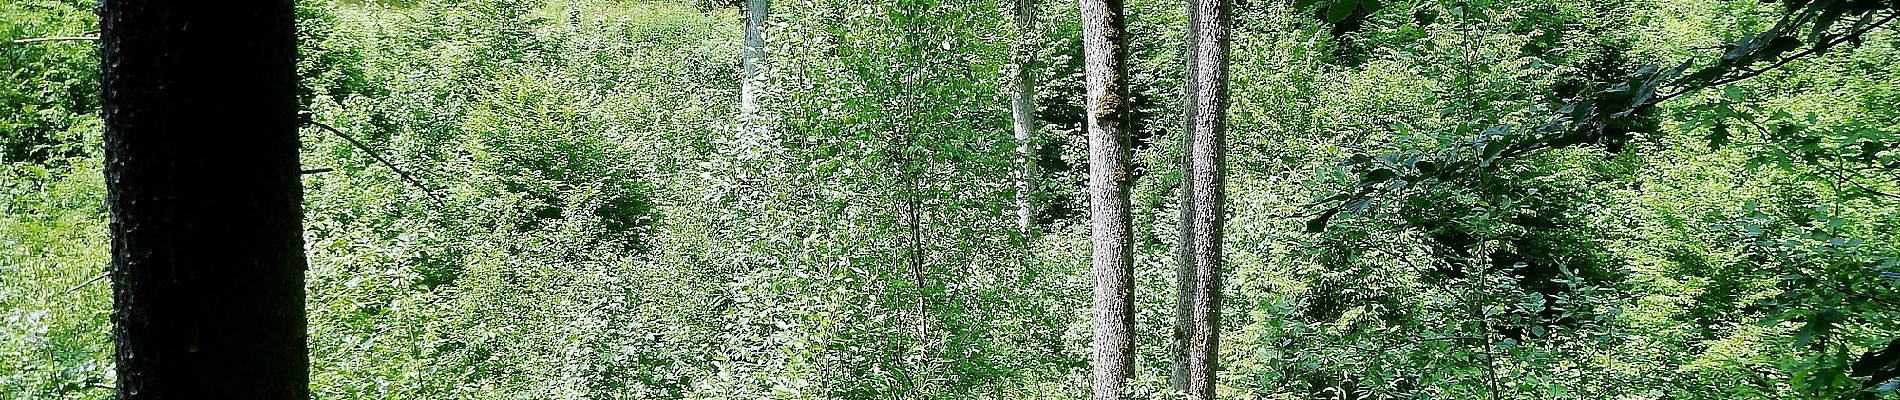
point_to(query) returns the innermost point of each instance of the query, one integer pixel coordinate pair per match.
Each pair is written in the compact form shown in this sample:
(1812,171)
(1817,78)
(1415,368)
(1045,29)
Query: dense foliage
(1463,199)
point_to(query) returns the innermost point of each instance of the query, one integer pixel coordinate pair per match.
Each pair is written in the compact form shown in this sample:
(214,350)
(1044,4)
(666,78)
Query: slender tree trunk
(753,56)
(202,182)
(1105,53)
(1184,269)
(1208,156)
(913,222)
(1022,106)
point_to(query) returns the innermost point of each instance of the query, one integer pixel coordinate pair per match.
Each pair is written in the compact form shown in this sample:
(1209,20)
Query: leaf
(1492,151)
(1881,365)
(1357,205)
(1341,9)
(1780,45)
(1318,223)
(1377,176)
(1329,199)
(1814,334)
(1888,386)
(1719,135)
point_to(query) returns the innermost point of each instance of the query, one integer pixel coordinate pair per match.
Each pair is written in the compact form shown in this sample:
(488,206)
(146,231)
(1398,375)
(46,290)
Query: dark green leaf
(1340,10)
(1318,223)
(1719,135)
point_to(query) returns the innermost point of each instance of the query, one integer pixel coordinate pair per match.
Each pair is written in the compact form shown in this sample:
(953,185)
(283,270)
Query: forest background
(588,212)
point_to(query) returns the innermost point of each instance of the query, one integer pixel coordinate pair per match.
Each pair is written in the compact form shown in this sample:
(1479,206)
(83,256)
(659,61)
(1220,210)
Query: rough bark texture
(1022,107)
(1208,157)
(1184,269)
(202,181)
(753,56)
(1105,53)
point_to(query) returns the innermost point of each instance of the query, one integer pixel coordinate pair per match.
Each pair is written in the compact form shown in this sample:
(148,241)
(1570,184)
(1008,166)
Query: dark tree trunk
(1105,53)
(202,181)
(1207,156)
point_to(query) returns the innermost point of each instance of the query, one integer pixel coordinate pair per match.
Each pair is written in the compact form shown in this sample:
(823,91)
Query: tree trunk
(1207,156)
(1105,56)
(753,55)
(1184,269)
(1022,106)
(202,182)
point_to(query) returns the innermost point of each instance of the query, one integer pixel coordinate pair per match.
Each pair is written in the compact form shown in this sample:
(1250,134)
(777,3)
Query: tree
(1204,186)
(1022,107)
(1184,267)
(1105,54)
(753,55)
(203,186)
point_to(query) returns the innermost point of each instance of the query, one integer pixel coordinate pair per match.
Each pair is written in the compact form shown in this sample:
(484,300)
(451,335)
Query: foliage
(1539,222)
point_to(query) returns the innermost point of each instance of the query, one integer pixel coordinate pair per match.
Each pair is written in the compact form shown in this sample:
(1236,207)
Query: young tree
(1184,268)
(1204,183)
(753,55)
(202,181)
(1105,54)
(1022,107)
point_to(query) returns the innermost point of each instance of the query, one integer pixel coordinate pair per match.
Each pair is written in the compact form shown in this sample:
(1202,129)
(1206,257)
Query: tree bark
(1184,269)
(1207,155)
(1022,106)
(1105,54)
(753,55)
(202,182)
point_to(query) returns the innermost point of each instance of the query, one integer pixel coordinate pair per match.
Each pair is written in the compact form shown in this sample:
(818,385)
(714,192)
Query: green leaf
(1341,9)
(1318,223)
(1371,5)
(1719,135)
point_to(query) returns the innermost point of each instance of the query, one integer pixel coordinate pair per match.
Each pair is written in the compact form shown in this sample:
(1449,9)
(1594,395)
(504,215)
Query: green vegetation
(593,216)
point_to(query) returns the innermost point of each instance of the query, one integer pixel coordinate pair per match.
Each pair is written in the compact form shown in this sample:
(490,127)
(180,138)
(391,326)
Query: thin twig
(379,158)
(55,39)
(1842,175)
(84,284)
(1844,289)
(1844,178)
(317,170)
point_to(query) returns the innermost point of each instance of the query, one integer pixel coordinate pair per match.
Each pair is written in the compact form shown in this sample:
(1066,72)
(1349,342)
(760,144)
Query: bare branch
(55,39)
(88,282)
(379,158)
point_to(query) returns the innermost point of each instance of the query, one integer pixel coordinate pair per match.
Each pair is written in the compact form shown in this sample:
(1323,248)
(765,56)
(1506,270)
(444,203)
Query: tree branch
(55,39)
(1850,180)
(1811,50)
(379,158)
(88,282)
